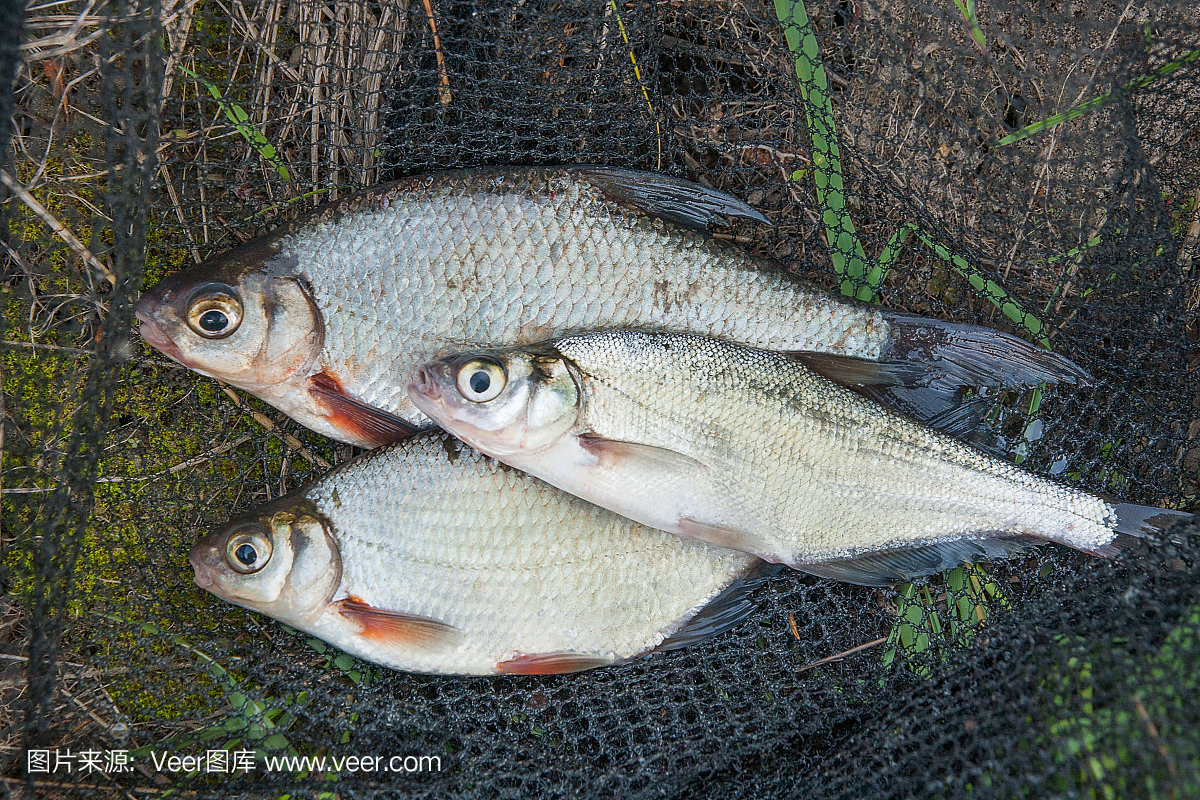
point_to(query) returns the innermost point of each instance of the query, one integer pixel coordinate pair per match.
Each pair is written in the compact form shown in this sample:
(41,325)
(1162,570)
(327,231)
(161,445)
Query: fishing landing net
(1031,167)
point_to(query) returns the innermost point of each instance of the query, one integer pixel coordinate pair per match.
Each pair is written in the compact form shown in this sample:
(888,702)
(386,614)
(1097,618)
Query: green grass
(918,624)
(861,276)
(1101,100)
(1096,742)
(257,725)
(967,9)
(241,121)
(929,623)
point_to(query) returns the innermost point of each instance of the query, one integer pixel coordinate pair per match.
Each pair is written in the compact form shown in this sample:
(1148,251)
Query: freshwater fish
(429,557)
(327,317)
(751,450)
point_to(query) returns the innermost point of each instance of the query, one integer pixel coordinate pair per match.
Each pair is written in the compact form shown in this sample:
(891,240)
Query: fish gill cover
(1031,167)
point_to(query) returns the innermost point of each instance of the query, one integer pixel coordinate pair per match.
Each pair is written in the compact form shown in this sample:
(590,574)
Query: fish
(751,450)
(328,317)
(426,556)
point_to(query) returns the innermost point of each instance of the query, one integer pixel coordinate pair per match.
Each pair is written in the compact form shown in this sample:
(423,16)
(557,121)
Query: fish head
(244,317)
(280,560)
(503,403)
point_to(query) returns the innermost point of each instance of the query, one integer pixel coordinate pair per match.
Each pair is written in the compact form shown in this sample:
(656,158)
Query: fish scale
(804,456)
(504,225)
(516,567)
(749,449)
(362,291)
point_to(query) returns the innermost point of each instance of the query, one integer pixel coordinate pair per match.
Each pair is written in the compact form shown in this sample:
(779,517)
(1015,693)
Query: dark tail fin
(967,355)
(1139,522)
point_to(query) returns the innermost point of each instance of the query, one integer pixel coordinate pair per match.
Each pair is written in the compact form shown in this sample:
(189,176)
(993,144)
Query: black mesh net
(146,136)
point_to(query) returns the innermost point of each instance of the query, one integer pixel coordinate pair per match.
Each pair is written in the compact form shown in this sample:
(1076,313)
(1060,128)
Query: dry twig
(56,226)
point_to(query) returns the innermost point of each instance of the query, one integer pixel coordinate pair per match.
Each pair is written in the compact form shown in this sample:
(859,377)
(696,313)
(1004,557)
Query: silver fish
(751,450)
(328,317)
(429,557)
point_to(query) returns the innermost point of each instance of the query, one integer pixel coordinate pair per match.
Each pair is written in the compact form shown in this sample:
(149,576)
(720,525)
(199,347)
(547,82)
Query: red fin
(395,628)
(551,663)
(361,421)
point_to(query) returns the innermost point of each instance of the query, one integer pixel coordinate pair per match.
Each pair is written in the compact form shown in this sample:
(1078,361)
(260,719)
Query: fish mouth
(158,339)
(203,576)
(424,388)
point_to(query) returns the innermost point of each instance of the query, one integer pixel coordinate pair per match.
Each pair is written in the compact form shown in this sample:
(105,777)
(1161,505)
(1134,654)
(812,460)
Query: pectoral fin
(672,199)
(358,419)
(609,452)
(397,629)
(551,663)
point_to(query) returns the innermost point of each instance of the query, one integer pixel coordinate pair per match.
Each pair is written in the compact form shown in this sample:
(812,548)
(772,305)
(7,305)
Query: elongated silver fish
(328,317)
(429,557)
(751,450)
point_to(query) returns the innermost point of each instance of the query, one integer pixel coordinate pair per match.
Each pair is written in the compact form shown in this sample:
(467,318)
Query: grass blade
(846,252)
(967,9)
(637,73)
(1104,99)
(988,289)
(241,121)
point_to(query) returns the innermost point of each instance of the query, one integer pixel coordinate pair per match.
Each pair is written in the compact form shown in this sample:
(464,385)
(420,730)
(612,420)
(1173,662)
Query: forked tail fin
(968,355)
(1136,522)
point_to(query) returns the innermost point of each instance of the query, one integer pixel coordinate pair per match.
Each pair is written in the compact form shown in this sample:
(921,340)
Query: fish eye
(248,550)
(481,380)
(214,312)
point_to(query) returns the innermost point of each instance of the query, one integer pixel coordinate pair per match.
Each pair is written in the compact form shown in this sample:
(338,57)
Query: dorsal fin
(955,413)
(672,199)
(899,385)
(853,372)
(967,355)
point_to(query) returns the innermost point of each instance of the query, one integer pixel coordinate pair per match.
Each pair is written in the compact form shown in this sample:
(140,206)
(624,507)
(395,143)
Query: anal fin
(728,537)
(397,629)
(551,663)
(361,421)
(724,612)
(888,567)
